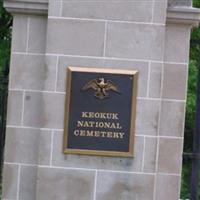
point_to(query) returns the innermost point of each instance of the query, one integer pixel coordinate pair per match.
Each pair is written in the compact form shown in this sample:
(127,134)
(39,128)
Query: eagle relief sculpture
(101,87)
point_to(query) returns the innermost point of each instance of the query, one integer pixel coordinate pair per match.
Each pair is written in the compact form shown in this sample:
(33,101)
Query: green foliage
(192,86)
(5,35)
(196,3)
(190,107)
(191,104)
(185,179)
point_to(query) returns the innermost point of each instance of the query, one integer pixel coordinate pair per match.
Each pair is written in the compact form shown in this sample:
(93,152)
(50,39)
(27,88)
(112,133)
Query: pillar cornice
(183,15)
(27,6)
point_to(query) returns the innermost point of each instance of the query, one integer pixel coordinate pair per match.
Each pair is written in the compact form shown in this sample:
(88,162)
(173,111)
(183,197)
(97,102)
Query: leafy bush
(5,36)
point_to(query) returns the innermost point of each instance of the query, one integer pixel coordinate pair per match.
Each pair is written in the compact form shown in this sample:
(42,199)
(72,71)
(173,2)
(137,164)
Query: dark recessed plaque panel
(100,111)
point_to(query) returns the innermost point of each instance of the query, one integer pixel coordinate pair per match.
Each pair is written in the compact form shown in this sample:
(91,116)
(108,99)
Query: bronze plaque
(100,111)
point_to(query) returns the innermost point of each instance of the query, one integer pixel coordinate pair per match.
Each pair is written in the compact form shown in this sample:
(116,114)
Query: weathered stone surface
(20,29)
(137,11)
(112,186)
(175,76)
(97,162)
(172,118)
(177,43)
(14,108)
(170,155)
(167,187)
(76,38)
(28,183)
(147,117)
(10,180)
(44,110)
(160,8)
(64,184)
(135,41)
(150,155)
(155,80)
(31,72)
(29,146)
(37,34)
(55,8)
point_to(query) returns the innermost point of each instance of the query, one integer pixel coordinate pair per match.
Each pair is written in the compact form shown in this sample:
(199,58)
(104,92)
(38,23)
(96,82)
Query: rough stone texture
(115,34)
(160,8)
(49,112)
(167,187)
(175,76)
(172,119)
(96,162)
(175,35)
(10,178)
(111,186)
(68,184)
(14,108)
(137,11)
(155,82)
(135,41)
(19,38)
(170,155)
(37,34)
(147,117)
(28,183)
(76,38)
(30,72)
(150,154)
(29,146)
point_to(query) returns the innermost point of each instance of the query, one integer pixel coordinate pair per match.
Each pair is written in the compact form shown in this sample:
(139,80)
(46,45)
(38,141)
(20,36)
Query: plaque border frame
(134,73)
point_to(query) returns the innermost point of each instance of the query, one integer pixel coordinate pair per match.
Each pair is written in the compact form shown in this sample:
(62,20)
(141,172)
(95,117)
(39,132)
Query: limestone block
(155,80)
(150,155)
(135,41)
(10,179)
(167,187)
(31,72)
(64,184)
(29,146)
(28,183)
(137,11)
(75,37)
(175,81)
(160,11)
(147,117)
(172,118)
(44,110)
(37,34)
(177,43)
(55,8)
(170,155)
(112,186)
(14,108)
(20,30)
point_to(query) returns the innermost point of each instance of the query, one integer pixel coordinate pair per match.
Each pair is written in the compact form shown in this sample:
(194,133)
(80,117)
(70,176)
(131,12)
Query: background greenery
(5,36)
(5,43)
(190,107)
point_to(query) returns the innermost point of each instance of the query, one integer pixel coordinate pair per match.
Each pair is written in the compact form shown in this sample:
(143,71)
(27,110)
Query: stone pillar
(49,36)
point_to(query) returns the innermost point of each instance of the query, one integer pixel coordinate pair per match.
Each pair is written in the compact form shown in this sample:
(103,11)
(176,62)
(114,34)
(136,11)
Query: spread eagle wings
(111,86)
(91,84)
(94,84)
